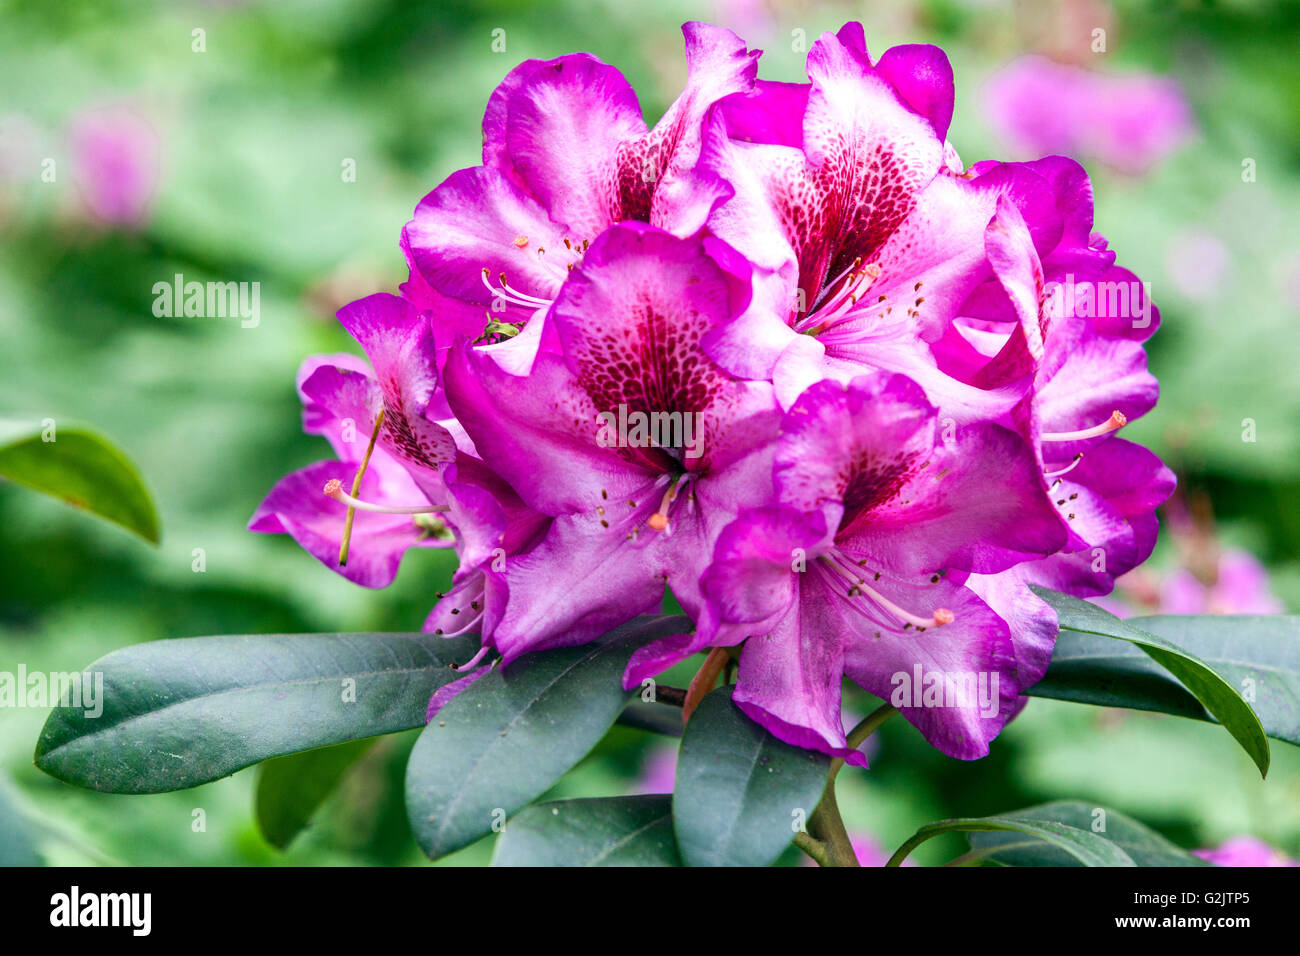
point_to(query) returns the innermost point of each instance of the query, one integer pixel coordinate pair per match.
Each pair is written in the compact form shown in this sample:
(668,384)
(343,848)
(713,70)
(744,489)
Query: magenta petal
(1031,620)
(298,505)
(581,581)
(477,220)
(900,666)
(913,503)
(923,78)
(789,680)
(447,692)
(657,656)
(755,563)
(565,121)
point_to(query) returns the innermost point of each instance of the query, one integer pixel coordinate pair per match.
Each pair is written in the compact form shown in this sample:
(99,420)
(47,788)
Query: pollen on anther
(521,241)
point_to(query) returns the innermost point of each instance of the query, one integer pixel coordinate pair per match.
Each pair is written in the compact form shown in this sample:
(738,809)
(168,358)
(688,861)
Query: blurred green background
(252,134)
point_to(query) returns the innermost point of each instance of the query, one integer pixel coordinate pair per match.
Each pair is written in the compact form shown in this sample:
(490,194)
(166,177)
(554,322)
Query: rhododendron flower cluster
(783,354)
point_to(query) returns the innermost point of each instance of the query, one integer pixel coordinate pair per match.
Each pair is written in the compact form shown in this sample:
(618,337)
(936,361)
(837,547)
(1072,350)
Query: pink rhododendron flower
(115,164)
(1240,587)
(1208,578)
(1128,122)
(659,772)
(780,353)
(1245,851)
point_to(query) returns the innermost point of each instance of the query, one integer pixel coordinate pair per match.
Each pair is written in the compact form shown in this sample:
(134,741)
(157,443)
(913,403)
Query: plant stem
(667,694)
(826,821)
(828,825)
(859,734)
(813,847)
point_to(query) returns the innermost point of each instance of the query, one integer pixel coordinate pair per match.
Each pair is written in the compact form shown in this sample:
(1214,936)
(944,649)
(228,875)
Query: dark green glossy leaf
(1214,691)
(183,712)
(1083,846)
(291,788)
(16,845)
(1143,845)
(608,831)
(1259,655)
(740,793)
(502,742)
(81,468)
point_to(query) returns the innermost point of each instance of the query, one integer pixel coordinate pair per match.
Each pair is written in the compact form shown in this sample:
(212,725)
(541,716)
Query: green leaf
(1215,693)
(180,713)
(1084,846)
(1259,655)
(608,831)
(81,468)
(1143,845)
(291,788)
(740,790)
(17,848)
(502,742)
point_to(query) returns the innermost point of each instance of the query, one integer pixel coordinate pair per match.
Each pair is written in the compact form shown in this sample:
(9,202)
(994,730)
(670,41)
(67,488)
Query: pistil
(356,486)
(659,520)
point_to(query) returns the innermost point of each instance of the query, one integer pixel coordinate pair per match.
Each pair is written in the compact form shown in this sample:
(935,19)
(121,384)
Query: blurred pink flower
(1241,587)
(115,164)
(1127,122)
(1245,851)
(659,771)
(749,18)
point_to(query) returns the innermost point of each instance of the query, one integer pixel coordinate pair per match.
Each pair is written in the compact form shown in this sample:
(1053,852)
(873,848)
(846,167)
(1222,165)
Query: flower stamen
(473,661)
(858,585)
(1114,423)
(1070,467)
(334,488)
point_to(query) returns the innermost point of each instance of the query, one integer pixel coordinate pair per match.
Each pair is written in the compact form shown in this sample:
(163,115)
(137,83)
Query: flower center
(558,266)
(835,303)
